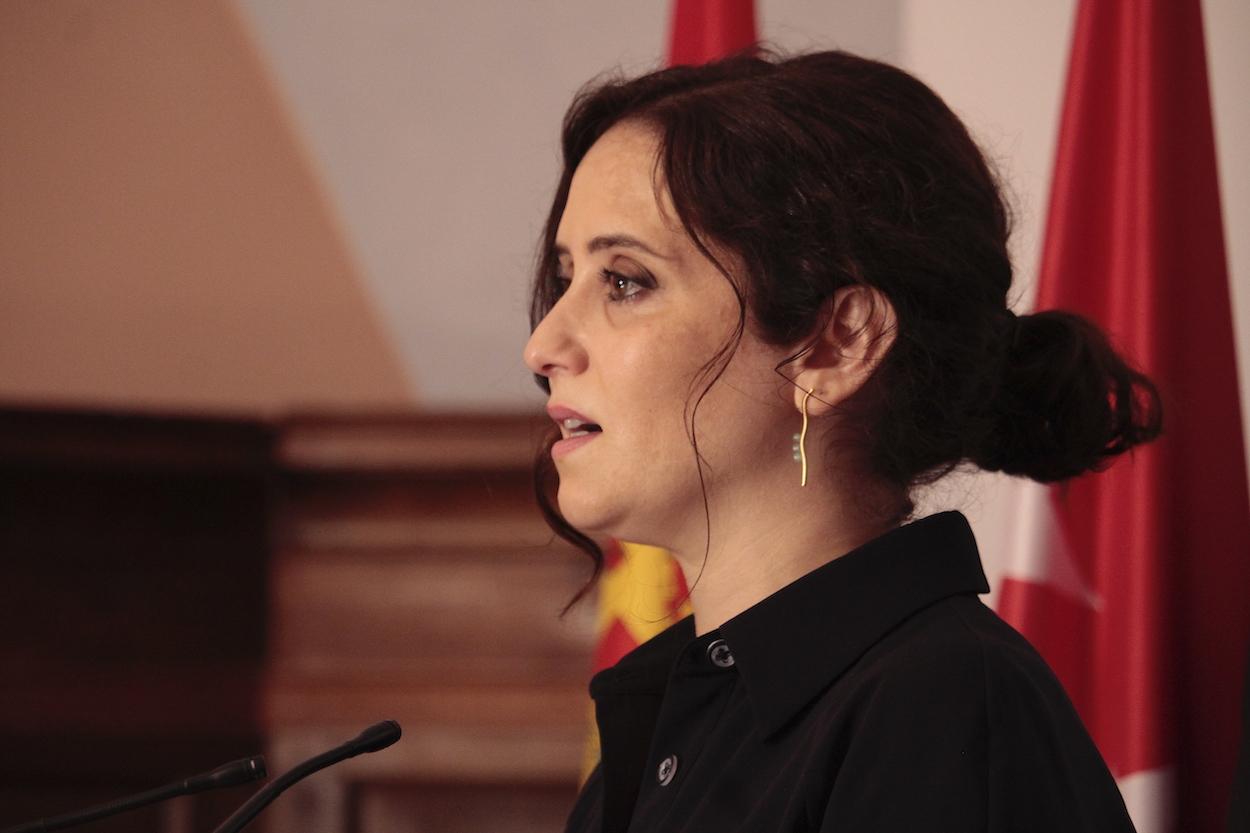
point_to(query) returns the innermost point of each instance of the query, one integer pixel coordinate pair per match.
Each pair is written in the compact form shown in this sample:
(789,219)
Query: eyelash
(610,278)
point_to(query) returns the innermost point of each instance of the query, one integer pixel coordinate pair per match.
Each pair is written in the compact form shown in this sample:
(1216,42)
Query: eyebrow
(611,241)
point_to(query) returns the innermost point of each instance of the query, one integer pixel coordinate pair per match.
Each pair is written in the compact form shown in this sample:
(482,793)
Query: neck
(763,541)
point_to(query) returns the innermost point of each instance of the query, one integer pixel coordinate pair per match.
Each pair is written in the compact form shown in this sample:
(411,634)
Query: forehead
(616,189)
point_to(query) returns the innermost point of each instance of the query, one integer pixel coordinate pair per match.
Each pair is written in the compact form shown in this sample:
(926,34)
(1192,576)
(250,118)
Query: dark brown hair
(825,170)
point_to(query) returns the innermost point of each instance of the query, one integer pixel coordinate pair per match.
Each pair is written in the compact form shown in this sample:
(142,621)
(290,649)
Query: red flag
(1140,603)
(704,30)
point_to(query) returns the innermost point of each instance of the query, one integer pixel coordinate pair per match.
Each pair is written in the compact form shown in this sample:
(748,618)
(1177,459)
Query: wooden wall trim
(89,438)
(410,442)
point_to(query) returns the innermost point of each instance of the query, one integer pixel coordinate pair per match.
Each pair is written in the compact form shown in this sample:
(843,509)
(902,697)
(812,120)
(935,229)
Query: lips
(576,428)
(573,423)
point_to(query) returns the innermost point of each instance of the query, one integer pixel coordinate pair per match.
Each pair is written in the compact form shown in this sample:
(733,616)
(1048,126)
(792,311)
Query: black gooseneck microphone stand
(227,775)
(378,736)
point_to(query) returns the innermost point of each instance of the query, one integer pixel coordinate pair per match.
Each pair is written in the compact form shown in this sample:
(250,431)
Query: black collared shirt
(876,693)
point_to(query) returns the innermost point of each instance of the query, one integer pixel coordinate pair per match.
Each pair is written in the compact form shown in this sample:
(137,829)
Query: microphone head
(378,736)
(230,775)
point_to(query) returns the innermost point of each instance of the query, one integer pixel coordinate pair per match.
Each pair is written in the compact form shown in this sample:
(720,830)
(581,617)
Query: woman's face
(642,312)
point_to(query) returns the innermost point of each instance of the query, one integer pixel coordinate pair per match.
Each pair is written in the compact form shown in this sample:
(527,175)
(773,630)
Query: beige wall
(1227,28)
(163,243)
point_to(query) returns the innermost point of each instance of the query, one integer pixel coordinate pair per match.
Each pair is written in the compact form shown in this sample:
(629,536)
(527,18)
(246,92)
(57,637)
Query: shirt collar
(645,669)
(793,644)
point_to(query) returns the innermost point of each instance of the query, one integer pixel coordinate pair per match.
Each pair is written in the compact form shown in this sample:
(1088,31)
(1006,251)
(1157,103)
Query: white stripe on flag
(1149,797)
(1038,551)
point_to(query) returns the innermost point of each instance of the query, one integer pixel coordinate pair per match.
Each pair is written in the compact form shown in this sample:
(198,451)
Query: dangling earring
(800,441)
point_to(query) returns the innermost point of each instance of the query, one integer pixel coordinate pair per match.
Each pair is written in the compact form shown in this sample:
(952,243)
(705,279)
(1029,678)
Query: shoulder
(958,647)
(957,709)
(929,686)
(957,666)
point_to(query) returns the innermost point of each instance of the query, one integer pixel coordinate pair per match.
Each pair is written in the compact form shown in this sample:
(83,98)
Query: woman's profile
(771,303)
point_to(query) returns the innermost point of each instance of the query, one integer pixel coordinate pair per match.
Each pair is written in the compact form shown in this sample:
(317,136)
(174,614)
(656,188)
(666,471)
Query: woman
(771,302)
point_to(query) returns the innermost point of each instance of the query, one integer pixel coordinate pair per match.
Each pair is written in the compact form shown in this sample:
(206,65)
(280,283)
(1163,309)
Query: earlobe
(810,397)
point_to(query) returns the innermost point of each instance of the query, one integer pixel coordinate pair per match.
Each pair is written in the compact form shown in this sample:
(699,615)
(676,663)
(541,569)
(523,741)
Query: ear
(860,329)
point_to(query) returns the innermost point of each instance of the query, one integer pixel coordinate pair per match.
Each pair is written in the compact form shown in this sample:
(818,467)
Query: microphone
(227,775)
(378,736)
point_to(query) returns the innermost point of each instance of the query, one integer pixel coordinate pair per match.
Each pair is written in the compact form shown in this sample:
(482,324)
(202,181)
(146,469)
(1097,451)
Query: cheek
(748,409)
(660,365)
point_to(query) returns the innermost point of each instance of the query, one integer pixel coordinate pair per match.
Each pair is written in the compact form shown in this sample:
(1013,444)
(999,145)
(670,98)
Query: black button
(667,769)
(718,652)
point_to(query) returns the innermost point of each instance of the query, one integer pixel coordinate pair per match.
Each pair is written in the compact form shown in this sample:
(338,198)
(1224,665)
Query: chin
(592,516)
(602,519)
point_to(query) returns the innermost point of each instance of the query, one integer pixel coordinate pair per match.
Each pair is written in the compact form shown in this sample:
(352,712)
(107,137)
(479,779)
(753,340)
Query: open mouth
(577,428)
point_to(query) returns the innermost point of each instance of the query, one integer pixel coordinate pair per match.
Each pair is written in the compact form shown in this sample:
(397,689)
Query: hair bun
(1068,403)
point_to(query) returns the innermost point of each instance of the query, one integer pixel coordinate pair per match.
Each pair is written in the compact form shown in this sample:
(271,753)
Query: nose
(555,348)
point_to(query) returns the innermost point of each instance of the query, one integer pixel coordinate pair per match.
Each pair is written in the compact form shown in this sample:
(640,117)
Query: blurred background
(264,424)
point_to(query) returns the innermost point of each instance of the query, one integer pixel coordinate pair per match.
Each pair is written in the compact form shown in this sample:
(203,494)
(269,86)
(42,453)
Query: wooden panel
(459,808)
(411,443)
(465,615)
(425,572)
(414,579)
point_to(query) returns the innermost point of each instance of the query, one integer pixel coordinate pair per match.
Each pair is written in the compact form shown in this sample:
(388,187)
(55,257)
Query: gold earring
(800,441)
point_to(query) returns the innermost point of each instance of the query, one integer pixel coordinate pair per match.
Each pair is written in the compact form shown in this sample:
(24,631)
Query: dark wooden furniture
(180,591)
(133,610)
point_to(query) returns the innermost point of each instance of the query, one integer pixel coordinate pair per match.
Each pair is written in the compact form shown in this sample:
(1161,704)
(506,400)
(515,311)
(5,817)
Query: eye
(622,287)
